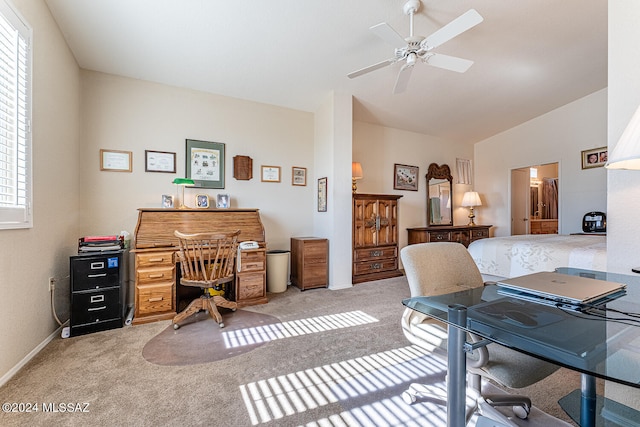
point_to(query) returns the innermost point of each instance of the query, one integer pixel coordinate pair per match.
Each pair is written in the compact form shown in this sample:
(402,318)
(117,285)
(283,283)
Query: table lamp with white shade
(356,173)
(470,200)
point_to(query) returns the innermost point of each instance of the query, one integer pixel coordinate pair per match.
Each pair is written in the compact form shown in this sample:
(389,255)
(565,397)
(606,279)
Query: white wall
(623,189)
(133,115)
(29,257)
(378,148)
(558,136)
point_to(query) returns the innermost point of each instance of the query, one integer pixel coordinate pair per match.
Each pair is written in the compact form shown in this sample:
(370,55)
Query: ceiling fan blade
(467,20)
(370,68)
(447,62)
(403,79)
(388,34)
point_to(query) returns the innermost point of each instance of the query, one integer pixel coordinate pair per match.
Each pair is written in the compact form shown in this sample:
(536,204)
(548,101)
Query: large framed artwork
(205,163)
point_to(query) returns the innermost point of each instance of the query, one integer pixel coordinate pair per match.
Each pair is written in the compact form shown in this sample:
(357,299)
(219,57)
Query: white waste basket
(277,269)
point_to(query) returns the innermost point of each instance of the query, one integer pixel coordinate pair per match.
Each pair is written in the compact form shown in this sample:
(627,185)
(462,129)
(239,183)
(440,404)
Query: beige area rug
(200,339)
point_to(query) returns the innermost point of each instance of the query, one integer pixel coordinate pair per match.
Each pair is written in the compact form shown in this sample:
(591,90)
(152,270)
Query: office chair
(444,267)
(207,261)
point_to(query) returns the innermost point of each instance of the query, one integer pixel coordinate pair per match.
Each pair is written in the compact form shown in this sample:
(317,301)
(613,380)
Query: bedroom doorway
(534,199)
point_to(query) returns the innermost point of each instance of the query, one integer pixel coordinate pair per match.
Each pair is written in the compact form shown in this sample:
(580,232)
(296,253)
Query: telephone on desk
(249,244)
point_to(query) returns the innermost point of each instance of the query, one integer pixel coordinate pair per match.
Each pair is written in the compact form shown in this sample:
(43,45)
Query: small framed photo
(116,160)
(298,176)
(594,158)
(222,201)
(202,201)
(167,201)
(322,194)
(159,161)
(405,177)
(270,173)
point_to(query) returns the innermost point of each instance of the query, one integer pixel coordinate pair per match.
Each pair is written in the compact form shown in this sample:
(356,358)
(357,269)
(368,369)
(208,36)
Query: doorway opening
(534,199)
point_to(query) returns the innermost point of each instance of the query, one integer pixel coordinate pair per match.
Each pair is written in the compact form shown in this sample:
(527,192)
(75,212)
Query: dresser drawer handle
(376,266)
(375,253)
(96,298)
(440,237)
(93,276)
(97,308)
(156,259)
(156,299)
(156,276)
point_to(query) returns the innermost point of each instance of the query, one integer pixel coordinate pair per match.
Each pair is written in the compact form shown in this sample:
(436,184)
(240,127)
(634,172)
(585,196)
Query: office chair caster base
(409,398)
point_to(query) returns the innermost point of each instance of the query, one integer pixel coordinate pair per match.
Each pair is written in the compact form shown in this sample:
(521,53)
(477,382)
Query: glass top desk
(602,342)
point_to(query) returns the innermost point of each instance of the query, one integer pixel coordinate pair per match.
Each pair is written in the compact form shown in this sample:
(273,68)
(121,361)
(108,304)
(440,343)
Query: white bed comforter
(519,255)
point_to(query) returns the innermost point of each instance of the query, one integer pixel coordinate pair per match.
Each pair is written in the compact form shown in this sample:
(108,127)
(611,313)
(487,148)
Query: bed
(513,256)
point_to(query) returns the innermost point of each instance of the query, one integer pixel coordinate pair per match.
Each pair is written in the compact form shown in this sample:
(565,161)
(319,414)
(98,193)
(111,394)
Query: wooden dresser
(375,237)
(464,234)
(155,250)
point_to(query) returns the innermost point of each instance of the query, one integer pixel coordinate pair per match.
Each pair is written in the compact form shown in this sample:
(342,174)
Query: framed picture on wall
(205,163)
(594,158)
(405,177)
(116,160)
(159,161)
(270,173)
(298,176)
(322,194)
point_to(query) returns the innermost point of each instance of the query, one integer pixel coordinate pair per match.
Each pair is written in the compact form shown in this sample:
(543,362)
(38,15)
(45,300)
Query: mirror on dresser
(439,195)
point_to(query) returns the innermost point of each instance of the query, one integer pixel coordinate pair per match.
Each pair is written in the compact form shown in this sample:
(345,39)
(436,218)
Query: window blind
(15,112)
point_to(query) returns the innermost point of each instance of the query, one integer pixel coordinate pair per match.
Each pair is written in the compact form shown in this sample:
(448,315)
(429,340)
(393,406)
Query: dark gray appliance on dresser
(98,291)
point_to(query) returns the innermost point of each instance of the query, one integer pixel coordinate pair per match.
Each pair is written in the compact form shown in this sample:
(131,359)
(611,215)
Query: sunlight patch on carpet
(356,382)
(294,328)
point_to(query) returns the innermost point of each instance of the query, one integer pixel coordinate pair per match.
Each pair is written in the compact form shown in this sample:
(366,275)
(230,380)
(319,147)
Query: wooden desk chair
(207,261)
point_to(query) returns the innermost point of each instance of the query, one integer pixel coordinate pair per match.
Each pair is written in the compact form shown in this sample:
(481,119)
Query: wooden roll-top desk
(155,250)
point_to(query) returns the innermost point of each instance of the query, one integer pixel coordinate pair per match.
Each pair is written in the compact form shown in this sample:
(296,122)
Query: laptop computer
(556,288)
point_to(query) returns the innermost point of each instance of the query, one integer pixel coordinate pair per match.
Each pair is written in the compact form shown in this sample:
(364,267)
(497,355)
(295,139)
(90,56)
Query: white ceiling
(531,56)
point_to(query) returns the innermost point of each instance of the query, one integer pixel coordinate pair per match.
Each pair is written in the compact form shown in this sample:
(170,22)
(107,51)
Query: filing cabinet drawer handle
(156,299)
(97,265)
(104,307)
(93,276)
(97,298)
(156,276)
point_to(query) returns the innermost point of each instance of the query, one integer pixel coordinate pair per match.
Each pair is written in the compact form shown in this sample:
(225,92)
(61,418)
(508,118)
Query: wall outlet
(52,283)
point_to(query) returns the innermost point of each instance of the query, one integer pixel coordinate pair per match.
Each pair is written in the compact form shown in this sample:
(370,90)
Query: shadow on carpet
(200,339)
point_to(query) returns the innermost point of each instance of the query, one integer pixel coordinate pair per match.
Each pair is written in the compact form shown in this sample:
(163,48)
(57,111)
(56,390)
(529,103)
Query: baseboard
(6,377)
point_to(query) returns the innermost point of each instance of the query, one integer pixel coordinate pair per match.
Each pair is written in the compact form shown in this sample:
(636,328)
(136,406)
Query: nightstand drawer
(154,298)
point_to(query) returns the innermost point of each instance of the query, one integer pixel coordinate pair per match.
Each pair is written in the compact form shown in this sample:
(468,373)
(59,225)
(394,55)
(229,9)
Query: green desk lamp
(183,182)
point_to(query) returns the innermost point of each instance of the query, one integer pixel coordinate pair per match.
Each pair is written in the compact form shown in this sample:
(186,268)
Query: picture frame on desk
(222,201)
(167,201)
(205,163)
(202,201)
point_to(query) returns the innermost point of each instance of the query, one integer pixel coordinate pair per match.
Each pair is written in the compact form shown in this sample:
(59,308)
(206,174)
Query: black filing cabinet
(98,291)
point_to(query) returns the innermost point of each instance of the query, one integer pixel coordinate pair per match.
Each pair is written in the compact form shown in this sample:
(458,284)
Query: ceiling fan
(412,48)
